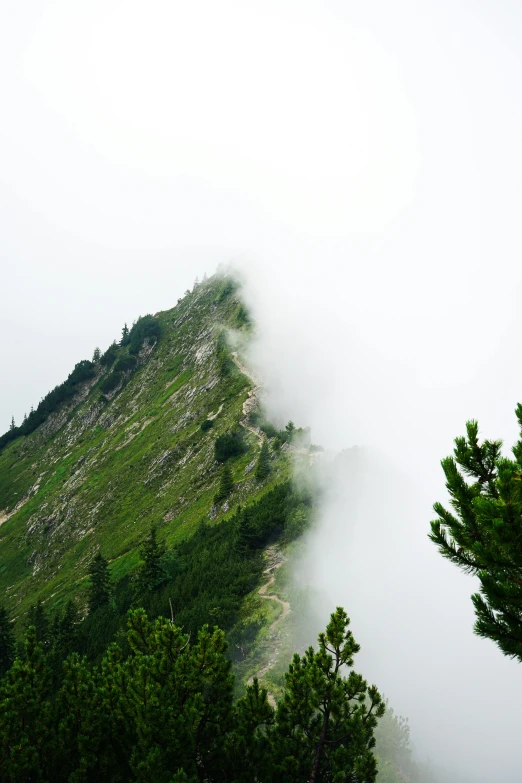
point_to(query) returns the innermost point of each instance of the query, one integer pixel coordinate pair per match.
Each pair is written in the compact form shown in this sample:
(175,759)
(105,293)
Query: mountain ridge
(105,466)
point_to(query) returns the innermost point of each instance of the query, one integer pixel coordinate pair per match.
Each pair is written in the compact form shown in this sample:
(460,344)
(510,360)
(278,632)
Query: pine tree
(483,536)
(26,735)
(263,462)
(100,583)
(325,722)
(12,426)
(226,485)
(96,355)
(37,618)
(7,641)
(151,573)
(124,335)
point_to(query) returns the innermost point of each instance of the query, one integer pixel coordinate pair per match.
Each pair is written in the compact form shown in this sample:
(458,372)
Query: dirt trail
(275,560)
(250,403)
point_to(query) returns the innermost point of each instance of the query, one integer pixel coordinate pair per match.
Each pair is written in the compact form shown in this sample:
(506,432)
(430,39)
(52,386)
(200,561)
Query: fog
(361,165)
(364,365)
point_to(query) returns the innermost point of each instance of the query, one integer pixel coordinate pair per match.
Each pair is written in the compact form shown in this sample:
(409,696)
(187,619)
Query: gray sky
(142,144)
(361,164)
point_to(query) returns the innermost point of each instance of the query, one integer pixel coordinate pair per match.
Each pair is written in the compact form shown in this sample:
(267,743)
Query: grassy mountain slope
(122,448)
(103,467)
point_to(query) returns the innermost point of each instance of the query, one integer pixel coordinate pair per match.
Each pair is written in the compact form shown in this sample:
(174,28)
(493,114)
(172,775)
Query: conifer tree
(124,335)
(37,618)
(100,583)
(483,535)
(96,355)
(12,426)
(26,739)
(151,573)
(263,462)
(68,628)
(325,722)
(226,484)
(7,641)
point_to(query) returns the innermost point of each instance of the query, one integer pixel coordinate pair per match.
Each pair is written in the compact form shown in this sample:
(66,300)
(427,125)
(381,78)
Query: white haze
(362,164)
(350,356)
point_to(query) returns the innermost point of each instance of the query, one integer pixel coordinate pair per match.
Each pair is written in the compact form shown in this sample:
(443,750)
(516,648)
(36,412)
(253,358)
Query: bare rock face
(250,467)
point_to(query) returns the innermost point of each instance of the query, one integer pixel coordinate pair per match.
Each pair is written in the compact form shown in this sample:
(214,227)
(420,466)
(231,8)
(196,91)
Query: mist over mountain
(252,449)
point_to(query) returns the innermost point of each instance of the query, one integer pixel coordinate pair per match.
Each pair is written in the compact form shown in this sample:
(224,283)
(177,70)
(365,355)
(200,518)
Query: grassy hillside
(148,433)
(109,462)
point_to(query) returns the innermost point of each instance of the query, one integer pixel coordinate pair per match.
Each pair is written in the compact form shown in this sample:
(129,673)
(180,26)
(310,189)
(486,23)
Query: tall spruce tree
(151,573)
(263,462)
(99,591)
(7,641)
(226,485)
(37,618)
(125,339)
(483,535)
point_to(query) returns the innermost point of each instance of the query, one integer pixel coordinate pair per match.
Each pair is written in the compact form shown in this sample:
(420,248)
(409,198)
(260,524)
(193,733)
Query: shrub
(263,463)
(125,363)
(296,522)
(226,485)
(225,362)
(207,425)
(111,382)
(228,287)
(108,358)
(231,444)
(145,328)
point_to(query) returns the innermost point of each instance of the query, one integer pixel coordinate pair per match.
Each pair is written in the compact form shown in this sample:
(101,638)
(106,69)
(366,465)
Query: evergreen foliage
(161,708)
(125,339)
(224,357)
(111,382)
(108,358)
(125,364)
(83,371)
(207,425)
(151,574)
(263,462)
(230,444)
(27,744)
(325,722)
(99,593)
(7,641)
(96,356)
(37,619)
(296,522)
(146,328)
(226,485)
(483,535)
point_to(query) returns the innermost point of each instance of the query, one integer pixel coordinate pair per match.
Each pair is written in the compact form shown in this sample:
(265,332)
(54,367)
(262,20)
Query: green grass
(107,477)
